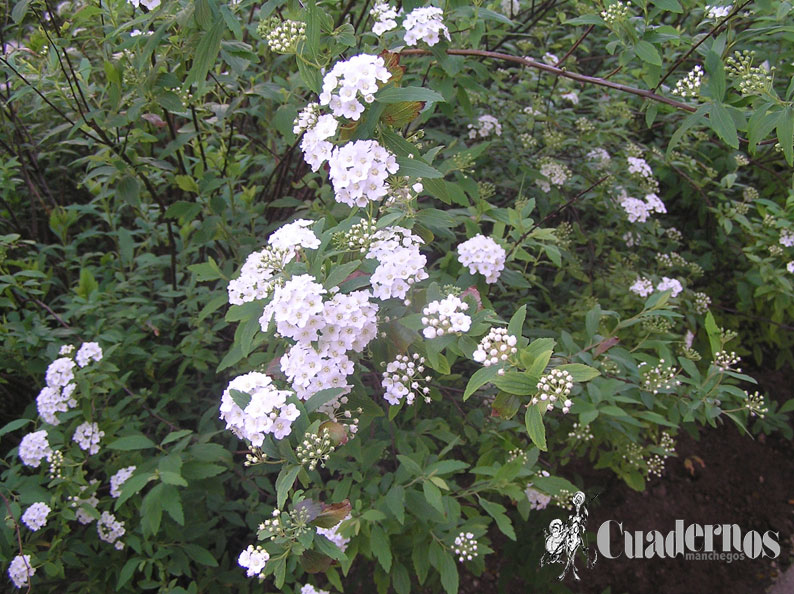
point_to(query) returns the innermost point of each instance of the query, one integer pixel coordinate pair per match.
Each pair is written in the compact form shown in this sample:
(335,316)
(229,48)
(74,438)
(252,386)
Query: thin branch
(19,541)
(574,46)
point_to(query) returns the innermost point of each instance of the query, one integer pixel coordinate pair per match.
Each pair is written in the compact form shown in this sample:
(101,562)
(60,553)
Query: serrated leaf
(284,482)
(127,571)
(416,168)
(200,555)
(497,512)
(580,372)
(713,333)
(433,496)
(400,114)
(722,123)
(132,442)
(206,53)
(13,426)
(322,397)
(400,94)
(381,549)
(648,53)
(395,501)
(518,383)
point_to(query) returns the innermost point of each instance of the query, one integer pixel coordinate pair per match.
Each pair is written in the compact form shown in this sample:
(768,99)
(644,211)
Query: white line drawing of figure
(564,540)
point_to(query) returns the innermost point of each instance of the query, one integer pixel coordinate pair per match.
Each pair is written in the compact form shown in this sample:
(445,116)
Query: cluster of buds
(314,449)
(739,208)
(465,546)
(671,260)
(633,454)
(564,499)
(286,525)
(775,250)
(282,36)
(749,194)
(402,379)
(659,377)
(495,347)
(674,234)
(755,404)
(655,465)
(486,189)
(528,141)
(402,192)
(254,457)
(357,238)
(724,360)
(584,125)
(656,324)
(555,385)
(56,461)
(701,302)
(517,454)
(307,118)
(445,317)
(753,80)
(689,86)
(580,433)
(667,443)
(616,12)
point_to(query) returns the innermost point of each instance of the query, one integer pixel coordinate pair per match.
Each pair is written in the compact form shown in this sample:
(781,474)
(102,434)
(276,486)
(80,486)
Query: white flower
(118,479)
(556,173)
(717,12)
(256,279)
(638,166)
(555,385)
(66,349)
(89,351)
(670,284)
(309,370)
(600,156)
(110,529)
(87,436)
(787,238)
(81,514)
(642,287)
(350,80)
(358,172)
(294,235)
(486,125)
(383,14)
(482,254)
(425,24)
(333,535)
(297,308)
(33,448)
(149,4)
(21,570)
(445,317)
(267,410)
(55,400)
(403,379)
(689,86)
(35,517)
(254,560)
(550,58)
(571,96)
(495,347)
(537,500)
(790,267)
(400,264)
(60,372)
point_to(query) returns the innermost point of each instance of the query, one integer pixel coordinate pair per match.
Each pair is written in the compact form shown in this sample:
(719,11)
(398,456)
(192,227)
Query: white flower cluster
(670,284)
(254,560)
(306,118)
(445,317)
(350,78)
(600,156)
(571,97)
(118,479)
(495,347)
(556,174)
(89,351)
(485,126)
(148,4)
(20,571)
(638,210)
(425,24)
(402,379)
(689,86)
(358,172)
(81,514)
(465,546)
(510,7)
(35,517)
(310,370)
(266,412)
(725,361)
(482,254)
(787,238)
(639,166)
(555,385)
(790,267)
(333,535)
(615,12)
(110,530)
(309,589)
(33,448)
(293,236)
(295,306)
(384,14)
(658,377)
(87,436)
(315,144)
(54,400)
(550,59)
(755,404)
(717,11)
(642,287)
(400,264)
(60,372)
(284,37)
(537,500)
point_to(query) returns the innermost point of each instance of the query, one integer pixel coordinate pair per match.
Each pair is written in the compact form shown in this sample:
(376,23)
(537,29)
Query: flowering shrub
(345,324)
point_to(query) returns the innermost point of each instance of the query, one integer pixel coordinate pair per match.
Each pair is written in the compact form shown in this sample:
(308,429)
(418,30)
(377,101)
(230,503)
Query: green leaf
(433,496)
(381,549)
(152,510)
(200,555)
(514,382)
(395,501)
(722,123)
(132,486)
(206,53)
(241,399)
(449,573)
(322,397)
(785,134)
(506,405)
(400,94)
(132,442)
(174,435)
(172,478)
(516,324)
(284,483)
(534,423)
(127,572)
(13,426)
(715,337)
(716,73)
(497,512)
(327,547)
(417,168)
(691,120)
(172,504)
(481,377)
(340,273)
(669,5)
(648,53)
(580,373)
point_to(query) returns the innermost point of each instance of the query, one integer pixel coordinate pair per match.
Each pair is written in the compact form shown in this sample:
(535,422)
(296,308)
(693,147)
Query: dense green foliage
(144,154)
